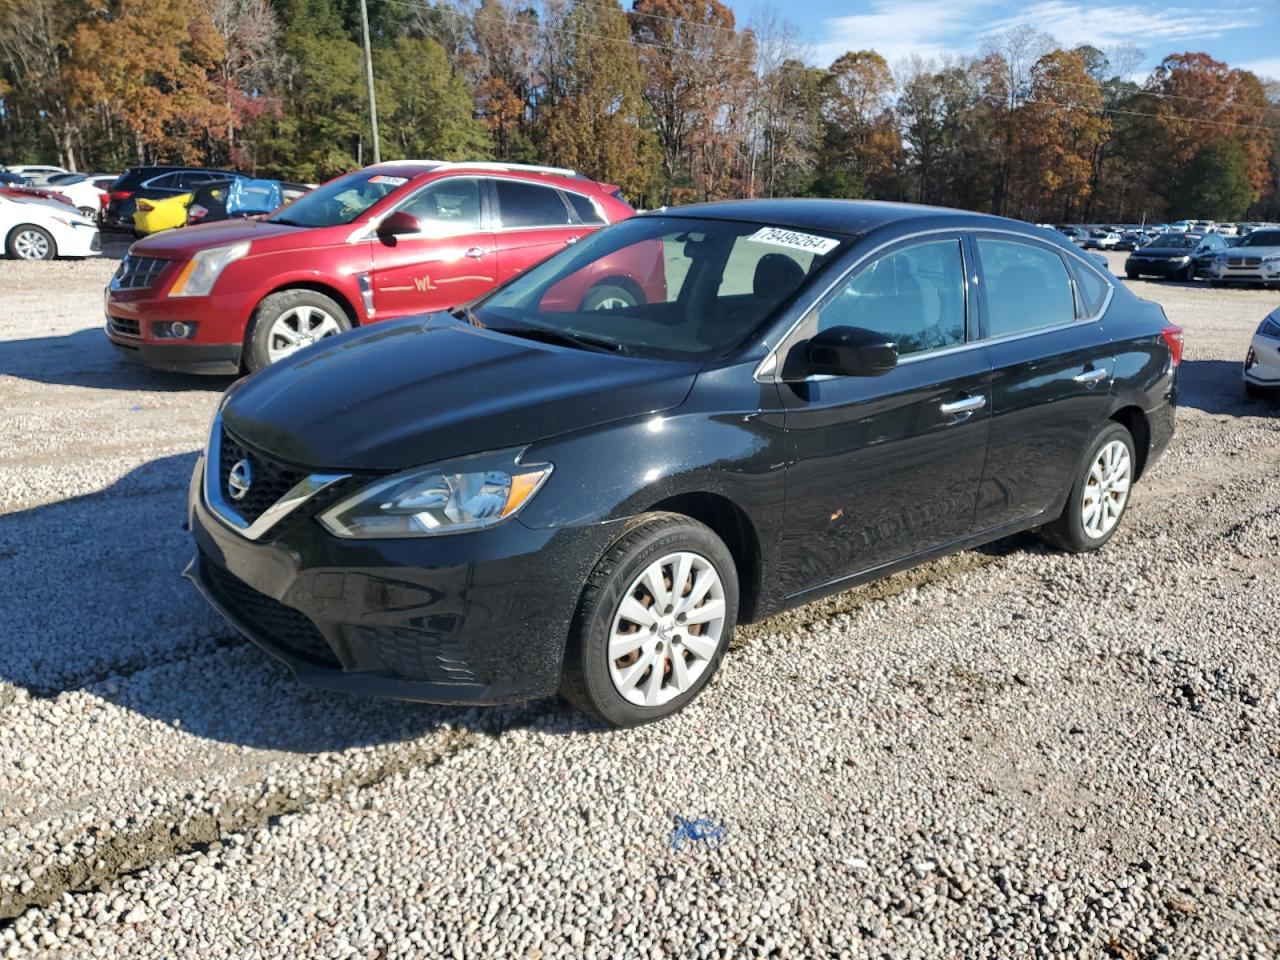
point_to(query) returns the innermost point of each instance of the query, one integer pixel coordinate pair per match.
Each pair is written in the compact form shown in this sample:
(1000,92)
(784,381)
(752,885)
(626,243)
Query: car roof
(416,168)
(844,216)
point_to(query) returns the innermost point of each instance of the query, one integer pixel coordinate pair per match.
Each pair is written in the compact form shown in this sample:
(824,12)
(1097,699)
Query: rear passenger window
(529,205)
(1027,287)
(1093,290)
(584,208)
(914,296)
(168,181)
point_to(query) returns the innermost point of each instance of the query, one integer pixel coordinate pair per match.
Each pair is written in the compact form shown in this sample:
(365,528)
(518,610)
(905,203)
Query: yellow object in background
(152,216)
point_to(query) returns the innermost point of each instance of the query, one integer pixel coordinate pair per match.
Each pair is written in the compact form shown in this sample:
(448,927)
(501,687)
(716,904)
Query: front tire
(653,623)
(1099,494)
(609,296)
(29,242)
(287,321)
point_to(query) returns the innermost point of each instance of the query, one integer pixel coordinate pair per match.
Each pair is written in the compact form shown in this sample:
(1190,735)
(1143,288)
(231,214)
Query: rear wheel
(286,322)
(1098,496)
(29,242)
(653,623)
(609,296)
(1131,274)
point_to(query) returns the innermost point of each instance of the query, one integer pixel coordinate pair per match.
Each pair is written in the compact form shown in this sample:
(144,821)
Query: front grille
(125,326)
(137,273)
(1244,261)
(271,479)
(281,625)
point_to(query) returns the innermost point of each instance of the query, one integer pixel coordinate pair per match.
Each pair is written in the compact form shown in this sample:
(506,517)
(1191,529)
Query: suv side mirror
(398,224)
(850,352)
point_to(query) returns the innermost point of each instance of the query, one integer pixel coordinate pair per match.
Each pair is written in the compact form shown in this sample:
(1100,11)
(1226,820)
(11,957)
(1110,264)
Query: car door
(1052,363)
(534,221)
(1210,247)
(881,468)
(449,261)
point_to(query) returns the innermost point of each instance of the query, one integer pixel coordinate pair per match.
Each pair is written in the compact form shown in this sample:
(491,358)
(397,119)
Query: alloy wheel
(31,245)
(666,629)
(299,327)
(1107,490)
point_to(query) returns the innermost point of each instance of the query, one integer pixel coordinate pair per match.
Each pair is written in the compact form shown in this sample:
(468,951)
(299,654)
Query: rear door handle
(475,253)
(1090,377)
(964,406)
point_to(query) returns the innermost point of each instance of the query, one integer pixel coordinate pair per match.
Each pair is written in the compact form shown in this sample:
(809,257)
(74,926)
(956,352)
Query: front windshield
(1176,240)
(1262,238)
(666,287)
(339,201)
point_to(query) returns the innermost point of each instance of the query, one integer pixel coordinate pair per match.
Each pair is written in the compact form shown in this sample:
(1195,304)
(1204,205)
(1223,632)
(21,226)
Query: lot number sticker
(389,181)
(794,241)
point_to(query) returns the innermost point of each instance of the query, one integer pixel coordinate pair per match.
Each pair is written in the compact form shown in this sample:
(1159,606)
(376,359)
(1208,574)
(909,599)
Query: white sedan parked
(1262,363)
(81,191)
(38,229)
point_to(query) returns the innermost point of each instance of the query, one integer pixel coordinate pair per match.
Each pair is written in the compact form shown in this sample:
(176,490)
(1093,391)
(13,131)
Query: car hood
(411,392)
(1242,251)
(180,244)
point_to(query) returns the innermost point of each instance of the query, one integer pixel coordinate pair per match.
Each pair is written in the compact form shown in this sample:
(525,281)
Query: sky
(1244,33)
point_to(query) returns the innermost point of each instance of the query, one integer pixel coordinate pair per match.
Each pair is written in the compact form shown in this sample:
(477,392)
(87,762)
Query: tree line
(672,100)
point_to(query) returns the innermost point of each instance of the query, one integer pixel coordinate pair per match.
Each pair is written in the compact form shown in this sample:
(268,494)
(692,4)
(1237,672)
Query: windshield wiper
(287,222)
(548,335)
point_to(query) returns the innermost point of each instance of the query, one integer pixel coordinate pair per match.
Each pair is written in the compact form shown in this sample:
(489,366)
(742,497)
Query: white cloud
(932,28)
(1268,69)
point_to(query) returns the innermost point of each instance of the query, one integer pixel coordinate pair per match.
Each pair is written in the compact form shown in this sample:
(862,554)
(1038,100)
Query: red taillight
(196,212)
(121,194)
(1173,337)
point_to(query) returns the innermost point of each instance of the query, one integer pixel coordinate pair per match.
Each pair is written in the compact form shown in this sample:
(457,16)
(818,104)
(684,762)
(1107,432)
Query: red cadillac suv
(391,240)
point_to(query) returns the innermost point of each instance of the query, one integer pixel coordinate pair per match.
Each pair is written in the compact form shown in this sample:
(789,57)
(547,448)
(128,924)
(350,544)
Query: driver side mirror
(850,352)
(398,224)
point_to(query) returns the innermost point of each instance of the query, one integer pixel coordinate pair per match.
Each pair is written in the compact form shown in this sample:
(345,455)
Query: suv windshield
(1262,238)
(339,201)
(666,287)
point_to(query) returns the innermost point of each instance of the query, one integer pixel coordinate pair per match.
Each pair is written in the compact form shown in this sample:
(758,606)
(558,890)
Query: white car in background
(38,229)
(81,190)
(35,173)
(1262,362)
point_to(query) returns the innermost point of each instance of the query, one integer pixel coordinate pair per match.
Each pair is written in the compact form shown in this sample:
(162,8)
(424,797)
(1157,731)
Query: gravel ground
(1007,752)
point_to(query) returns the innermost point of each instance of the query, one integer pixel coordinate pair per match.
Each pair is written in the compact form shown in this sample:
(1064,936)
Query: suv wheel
(1099,494)
(653,623)
(610,296)
(286,322)
(29,242)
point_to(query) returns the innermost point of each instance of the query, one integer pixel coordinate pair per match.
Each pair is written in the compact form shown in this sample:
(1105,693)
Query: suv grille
(271,479)
(282,625)
(137,273)
(1244,261)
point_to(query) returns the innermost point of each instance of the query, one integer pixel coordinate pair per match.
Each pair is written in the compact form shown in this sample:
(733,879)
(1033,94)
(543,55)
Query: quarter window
(530,205)
(914,295)
(586,210)
(1092,288)
(1027,287)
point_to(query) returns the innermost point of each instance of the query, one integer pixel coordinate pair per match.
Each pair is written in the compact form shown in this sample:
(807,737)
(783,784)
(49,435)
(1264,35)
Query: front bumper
(1155,268)
(1265,275)
(473,618)
(218,344)
(1262,364)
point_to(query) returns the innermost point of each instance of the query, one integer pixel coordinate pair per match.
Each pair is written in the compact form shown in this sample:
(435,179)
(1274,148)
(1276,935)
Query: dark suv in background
(152,183)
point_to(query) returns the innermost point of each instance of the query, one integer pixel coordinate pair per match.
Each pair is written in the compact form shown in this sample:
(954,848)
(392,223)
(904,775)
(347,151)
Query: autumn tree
(426,107)
(862,145)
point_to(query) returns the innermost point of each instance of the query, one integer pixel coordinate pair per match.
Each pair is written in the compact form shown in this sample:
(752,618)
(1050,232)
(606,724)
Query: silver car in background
(1255,259)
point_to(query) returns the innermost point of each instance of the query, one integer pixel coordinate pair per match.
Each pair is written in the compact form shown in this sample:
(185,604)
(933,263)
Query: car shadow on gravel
(95,602)
(87,359)
(1216,386)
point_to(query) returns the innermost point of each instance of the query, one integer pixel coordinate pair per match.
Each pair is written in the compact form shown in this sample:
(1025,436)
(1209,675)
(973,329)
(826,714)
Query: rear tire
(614,677)
(1132,274)
(28,242)
(288,321)
(609,296)
(1096,503)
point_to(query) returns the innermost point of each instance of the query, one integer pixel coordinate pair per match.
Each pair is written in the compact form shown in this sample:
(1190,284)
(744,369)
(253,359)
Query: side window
(584,209)
(1092,287)
(168,181)
(1027,287)
(447,208)
(914,295)
(530,205)
(190,178)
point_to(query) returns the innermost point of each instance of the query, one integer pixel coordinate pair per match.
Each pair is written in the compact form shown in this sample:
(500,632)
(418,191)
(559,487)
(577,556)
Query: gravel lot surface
(1007,752)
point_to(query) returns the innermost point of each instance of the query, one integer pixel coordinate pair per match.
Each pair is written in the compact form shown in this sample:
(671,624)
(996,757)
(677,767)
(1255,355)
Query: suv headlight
(203,269)
(1270,326)
(456,497)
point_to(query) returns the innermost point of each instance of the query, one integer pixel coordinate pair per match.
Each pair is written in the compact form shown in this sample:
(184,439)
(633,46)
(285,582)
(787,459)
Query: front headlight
(1270,326)
(202,270)
(1271,259)
(467,494)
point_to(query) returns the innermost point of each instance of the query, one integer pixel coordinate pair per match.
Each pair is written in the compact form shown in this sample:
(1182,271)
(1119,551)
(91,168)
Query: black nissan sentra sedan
(779,399)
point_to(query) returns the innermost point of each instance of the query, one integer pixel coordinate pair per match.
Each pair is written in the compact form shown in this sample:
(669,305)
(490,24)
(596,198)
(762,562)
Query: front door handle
(964,407)
(475,253)
(571,240)
(1090,377)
